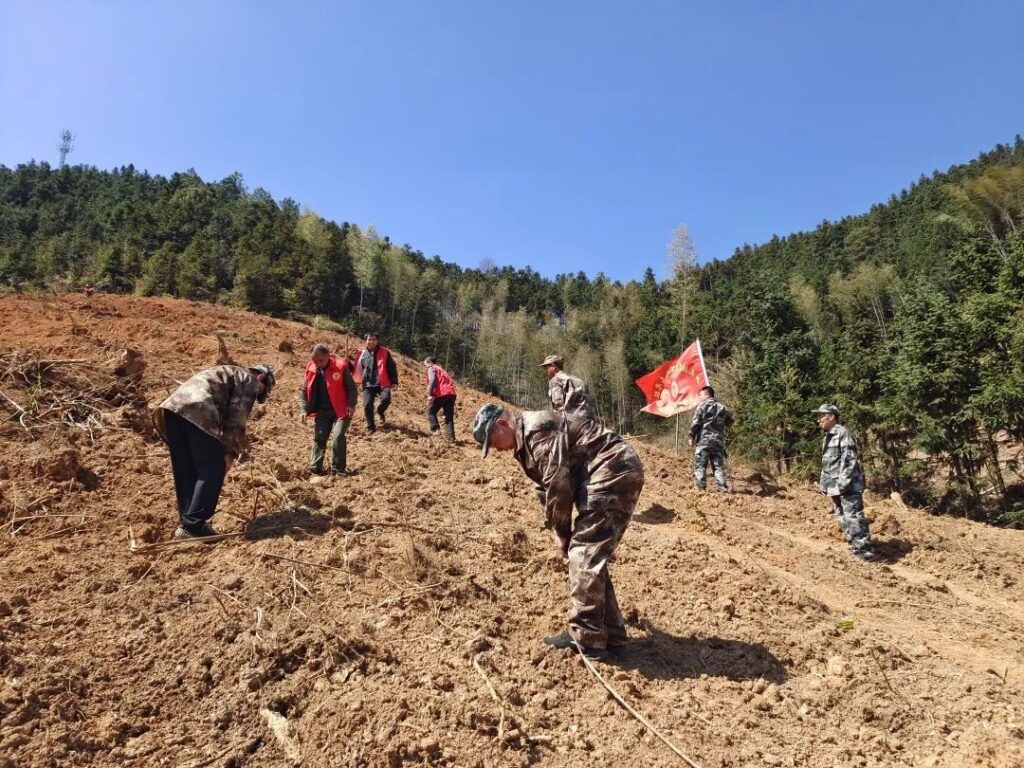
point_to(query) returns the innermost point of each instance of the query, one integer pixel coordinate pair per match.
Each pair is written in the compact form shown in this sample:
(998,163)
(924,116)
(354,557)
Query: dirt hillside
(393,617)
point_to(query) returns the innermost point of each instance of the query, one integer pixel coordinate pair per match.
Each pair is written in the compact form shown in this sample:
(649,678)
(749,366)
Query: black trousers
(369,395)
(197,460)
(445,404)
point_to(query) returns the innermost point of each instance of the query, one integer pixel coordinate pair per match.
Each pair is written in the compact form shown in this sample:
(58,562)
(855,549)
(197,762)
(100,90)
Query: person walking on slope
(707,435)
(575,461)
(842,480)
(328,394)
(440,397)
(380,375)
(568,394)
(203,424)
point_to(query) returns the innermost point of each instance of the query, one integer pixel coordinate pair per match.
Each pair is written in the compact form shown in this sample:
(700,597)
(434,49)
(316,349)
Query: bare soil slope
(393,617)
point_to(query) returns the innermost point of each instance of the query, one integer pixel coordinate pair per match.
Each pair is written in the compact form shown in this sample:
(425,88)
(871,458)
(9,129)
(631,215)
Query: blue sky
(564,135)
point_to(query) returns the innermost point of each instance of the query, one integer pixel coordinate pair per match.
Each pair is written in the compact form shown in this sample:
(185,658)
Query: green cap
(483,422)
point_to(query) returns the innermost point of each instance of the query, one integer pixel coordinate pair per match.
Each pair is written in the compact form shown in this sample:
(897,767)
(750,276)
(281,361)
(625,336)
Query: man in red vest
(440,397)
(328,394)
(380,375)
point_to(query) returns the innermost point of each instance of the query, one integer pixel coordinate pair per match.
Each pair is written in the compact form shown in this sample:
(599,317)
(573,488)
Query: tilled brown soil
(393,617)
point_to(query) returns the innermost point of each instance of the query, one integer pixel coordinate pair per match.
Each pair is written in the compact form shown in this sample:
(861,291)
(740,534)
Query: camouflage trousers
(701,457)
(849,511)
(595,620)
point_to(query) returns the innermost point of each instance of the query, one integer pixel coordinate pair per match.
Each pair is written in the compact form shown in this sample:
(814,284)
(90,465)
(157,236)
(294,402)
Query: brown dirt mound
(392,617)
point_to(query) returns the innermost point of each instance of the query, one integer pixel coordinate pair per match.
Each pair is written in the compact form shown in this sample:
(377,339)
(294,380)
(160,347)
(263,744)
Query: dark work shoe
(564,641)
(867,555)
(316,471)
(341,472)
(382,417)
(201,533)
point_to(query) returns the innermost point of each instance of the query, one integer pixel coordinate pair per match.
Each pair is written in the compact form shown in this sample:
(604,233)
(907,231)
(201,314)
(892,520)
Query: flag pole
(704,369)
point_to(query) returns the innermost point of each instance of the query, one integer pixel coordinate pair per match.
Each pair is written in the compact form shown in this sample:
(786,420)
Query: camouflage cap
(826,408)
(551,360)
(483,422)
(268,380)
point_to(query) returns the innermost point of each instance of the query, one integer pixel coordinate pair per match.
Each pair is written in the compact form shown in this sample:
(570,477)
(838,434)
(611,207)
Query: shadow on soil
(892,550)
(299,522)
(661,656)
(656,515)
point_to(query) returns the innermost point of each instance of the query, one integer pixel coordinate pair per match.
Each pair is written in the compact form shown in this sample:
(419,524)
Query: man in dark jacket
(203,424)
(328,394)
(380,375)
(440,397)
(707,435)
(575,461)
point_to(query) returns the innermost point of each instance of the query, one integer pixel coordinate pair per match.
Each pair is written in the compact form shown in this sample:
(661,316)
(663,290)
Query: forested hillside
(910,317)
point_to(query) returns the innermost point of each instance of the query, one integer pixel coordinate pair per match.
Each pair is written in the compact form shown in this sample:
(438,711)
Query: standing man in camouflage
(707,434)
(568,394)
(380,375)
(575,461)
(328,394)
(842,480)
(203,424)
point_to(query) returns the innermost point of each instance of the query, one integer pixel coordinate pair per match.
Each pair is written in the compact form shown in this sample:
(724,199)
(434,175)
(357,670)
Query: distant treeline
(909,317)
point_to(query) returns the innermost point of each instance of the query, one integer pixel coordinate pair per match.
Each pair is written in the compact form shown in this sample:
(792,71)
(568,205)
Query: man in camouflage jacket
(575,462)
(568,394)
(203,424)
(707,435)
(842,480)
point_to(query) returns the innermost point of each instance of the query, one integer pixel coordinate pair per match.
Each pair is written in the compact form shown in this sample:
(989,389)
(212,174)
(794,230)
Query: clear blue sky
(563,135)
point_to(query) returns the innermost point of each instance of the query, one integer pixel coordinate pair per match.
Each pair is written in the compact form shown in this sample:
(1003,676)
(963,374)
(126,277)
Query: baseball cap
(826,408)
(483,422)
(268,380)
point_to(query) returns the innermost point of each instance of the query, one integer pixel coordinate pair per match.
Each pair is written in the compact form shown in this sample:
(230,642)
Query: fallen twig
(494,695)
(184,542)
(305,562)
(640,718)
(408,593)
(210,760)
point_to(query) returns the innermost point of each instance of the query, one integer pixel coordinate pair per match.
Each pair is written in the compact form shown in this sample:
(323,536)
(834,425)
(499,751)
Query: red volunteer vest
(443,385)
(380,357)
(334,375)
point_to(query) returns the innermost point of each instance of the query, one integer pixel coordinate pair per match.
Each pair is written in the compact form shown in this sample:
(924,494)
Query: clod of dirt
(61,467)
(513,547)
(130,365)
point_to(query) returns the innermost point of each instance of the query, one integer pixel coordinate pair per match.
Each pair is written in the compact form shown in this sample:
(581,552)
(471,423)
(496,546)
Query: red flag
(674,385)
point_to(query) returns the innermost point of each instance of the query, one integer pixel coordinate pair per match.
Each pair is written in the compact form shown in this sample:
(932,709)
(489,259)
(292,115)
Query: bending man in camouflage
(203,424)
(707,434)
(568,394)
(842,480)
(575,461)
